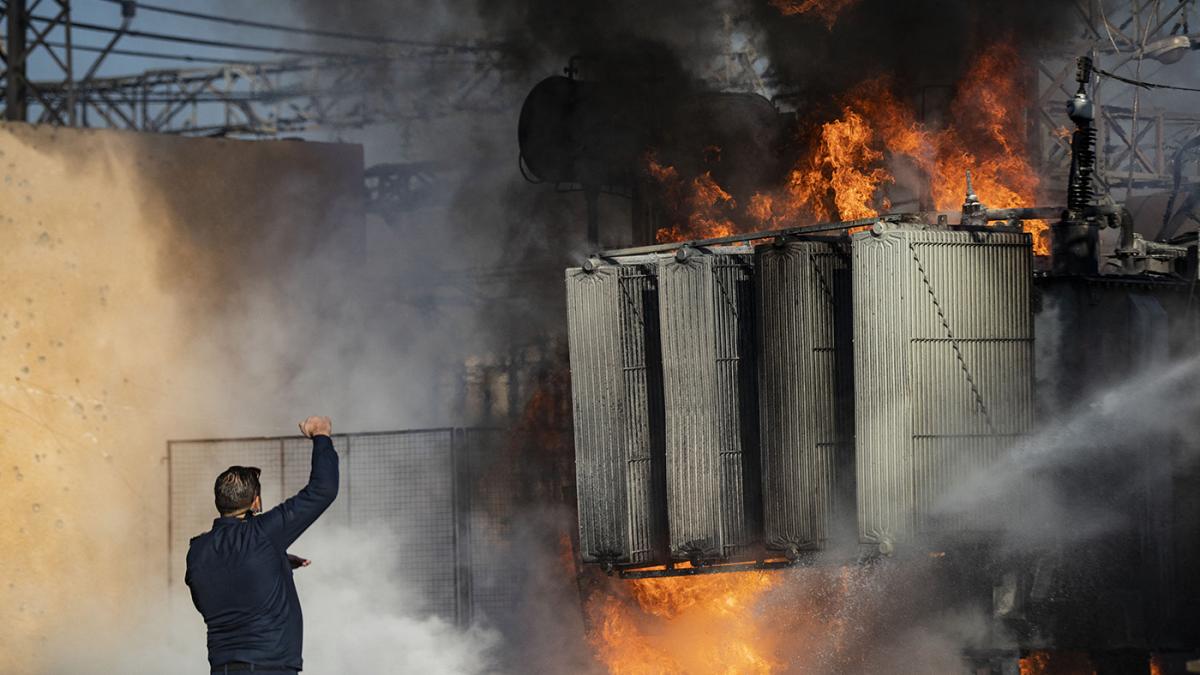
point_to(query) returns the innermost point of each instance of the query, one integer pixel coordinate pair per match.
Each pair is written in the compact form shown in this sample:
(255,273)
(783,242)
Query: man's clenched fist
(316,426)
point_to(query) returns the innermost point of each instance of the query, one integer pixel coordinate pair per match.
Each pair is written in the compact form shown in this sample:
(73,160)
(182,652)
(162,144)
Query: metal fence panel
(421,489)
(488,546)
(404,484)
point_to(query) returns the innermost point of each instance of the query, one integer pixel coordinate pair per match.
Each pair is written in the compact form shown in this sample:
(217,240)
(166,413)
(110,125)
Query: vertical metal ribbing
(593,328)
(804,416)
(644,453)
(943,371)
(706,308)
(882,424)
(615,376)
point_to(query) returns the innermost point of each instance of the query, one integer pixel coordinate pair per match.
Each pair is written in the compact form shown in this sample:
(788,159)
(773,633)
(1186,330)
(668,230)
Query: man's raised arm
(286,522)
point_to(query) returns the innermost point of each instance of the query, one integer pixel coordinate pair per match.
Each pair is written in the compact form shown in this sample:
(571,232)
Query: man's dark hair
(236,489)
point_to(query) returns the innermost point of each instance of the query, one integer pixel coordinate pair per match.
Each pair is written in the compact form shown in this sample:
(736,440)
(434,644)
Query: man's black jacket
(241,580)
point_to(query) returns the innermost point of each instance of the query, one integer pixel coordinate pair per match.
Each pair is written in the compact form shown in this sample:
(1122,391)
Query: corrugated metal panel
(706,306)
(616,392)
(806,406)
(943,366)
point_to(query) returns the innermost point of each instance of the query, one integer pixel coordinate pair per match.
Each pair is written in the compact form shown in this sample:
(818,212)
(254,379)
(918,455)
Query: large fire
(739,622)
(857,619)
(717,623)
(671,625)
(850,161)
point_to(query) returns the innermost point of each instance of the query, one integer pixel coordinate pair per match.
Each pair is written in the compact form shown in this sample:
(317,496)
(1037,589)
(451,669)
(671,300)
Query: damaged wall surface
(123,255)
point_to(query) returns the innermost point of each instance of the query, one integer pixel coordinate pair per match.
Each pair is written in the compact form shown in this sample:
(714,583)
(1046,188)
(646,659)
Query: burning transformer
(792,379)
(878,389)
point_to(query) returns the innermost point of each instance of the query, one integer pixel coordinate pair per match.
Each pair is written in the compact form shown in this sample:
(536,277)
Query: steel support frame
(396,188)
(268,99)
(1137,137)
(24,37)
(238,99)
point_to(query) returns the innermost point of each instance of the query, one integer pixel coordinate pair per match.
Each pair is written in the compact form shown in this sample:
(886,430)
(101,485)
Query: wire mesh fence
(443,495)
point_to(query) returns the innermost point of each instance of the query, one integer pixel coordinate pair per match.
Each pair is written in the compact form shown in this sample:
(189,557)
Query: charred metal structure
(706,304)
(617,379)
(905,376)
(665,416)
(806,393)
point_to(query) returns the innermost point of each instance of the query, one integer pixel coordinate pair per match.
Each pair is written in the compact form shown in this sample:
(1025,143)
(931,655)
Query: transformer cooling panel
(943,375)
(706,304)
(617,402)
(806,407)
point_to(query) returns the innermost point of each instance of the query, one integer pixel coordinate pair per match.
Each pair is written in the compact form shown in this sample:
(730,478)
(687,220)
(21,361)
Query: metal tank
(1140,338)
(706,305)
(943,376)
(806,406)
(617,400)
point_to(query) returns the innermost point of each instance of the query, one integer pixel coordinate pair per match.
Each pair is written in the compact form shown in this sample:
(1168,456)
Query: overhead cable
(1145,85)
(338,35)
(82,25)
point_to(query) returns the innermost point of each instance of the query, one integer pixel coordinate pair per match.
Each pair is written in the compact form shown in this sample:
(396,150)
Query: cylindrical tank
(706,305)
(590,133)
(806,405)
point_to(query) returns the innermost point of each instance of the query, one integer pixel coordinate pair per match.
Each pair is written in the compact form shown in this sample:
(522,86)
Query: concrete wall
(125,259)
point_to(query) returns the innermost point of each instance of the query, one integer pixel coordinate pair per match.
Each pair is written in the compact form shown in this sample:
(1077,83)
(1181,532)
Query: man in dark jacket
(240,573)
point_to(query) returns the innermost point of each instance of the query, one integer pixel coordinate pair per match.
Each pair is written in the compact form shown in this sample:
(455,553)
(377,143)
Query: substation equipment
(875,392)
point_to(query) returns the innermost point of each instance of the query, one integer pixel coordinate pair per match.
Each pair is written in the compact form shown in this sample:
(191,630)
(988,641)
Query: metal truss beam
(1139,132)
(267,99)
(25,40)
(234,99)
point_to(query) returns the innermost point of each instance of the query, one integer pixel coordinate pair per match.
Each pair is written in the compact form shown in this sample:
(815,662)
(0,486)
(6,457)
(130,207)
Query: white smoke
(361,615)
(1127,429)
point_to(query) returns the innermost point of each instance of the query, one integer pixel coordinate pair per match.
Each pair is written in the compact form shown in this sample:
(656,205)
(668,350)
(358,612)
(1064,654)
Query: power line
(340,35)
(208,43)
(1145,85)
(149,55)
(269,66)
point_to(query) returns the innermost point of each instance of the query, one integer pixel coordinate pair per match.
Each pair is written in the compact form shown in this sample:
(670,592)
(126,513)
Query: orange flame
(843,169)
(826,10)
(853,158)
(708,207)
(1056,663)
(737,622)
(699,624)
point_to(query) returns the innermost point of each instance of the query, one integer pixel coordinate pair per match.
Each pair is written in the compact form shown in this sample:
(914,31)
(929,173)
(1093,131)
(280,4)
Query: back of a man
(240,573)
